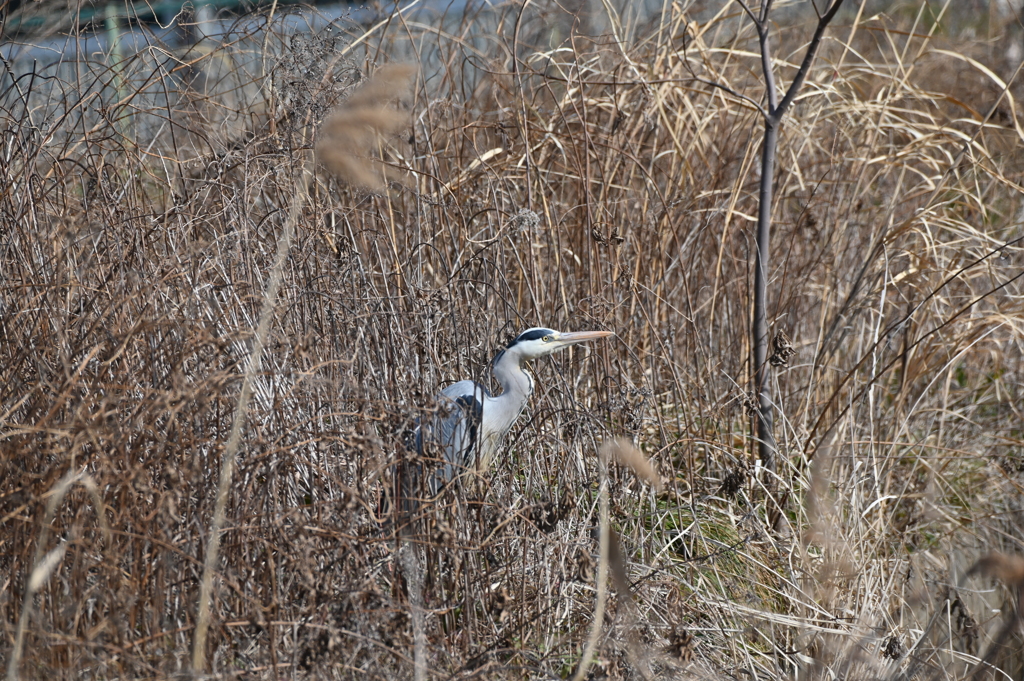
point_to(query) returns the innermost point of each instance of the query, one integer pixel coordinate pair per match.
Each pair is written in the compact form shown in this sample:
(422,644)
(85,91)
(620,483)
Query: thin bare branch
(749,13)
(734,93)
(805,65)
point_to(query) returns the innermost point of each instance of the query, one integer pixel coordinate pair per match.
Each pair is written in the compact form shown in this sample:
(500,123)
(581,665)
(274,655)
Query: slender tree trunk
(773,112)
(762,369)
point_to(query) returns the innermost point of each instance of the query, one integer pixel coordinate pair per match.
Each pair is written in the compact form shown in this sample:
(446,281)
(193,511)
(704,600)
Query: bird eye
(547,339)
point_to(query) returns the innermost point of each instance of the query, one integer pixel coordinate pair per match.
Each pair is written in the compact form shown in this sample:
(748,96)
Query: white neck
(501,411)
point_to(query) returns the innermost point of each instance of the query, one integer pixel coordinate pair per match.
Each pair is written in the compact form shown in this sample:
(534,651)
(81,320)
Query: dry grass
(595,185)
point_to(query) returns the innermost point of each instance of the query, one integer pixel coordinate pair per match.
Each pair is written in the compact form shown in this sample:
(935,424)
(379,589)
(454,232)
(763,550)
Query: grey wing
(458,427)
(463,388)
(448,437)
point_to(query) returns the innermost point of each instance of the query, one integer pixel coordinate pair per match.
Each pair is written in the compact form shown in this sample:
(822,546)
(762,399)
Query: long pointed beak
(582,336)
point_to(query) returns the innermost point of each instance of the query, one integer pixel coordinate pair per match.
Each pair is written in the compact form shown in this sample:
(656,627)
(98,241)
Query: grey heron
(467,429)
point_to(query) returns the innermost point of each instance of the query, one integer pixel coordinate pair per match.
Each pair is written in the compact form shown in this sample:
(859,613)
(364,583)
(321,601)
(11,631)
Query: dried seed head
(625,453)
(681,644)
(351,134)
(1007,569)
(782,350)
(42,571)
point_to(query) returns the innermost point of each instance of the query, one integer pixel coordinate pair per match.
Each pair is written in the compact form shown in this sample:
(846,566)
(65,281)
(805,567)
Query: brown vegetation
(547,178)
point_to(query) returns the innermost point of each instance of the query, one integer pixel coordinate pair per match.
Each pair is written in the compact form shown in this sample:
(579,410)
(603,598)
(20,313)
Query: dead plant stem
(231,448)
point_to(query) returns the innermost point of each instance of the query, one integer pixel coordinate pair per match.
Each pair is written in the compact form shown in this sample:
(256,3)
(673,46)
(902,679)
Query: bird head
(540,341)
